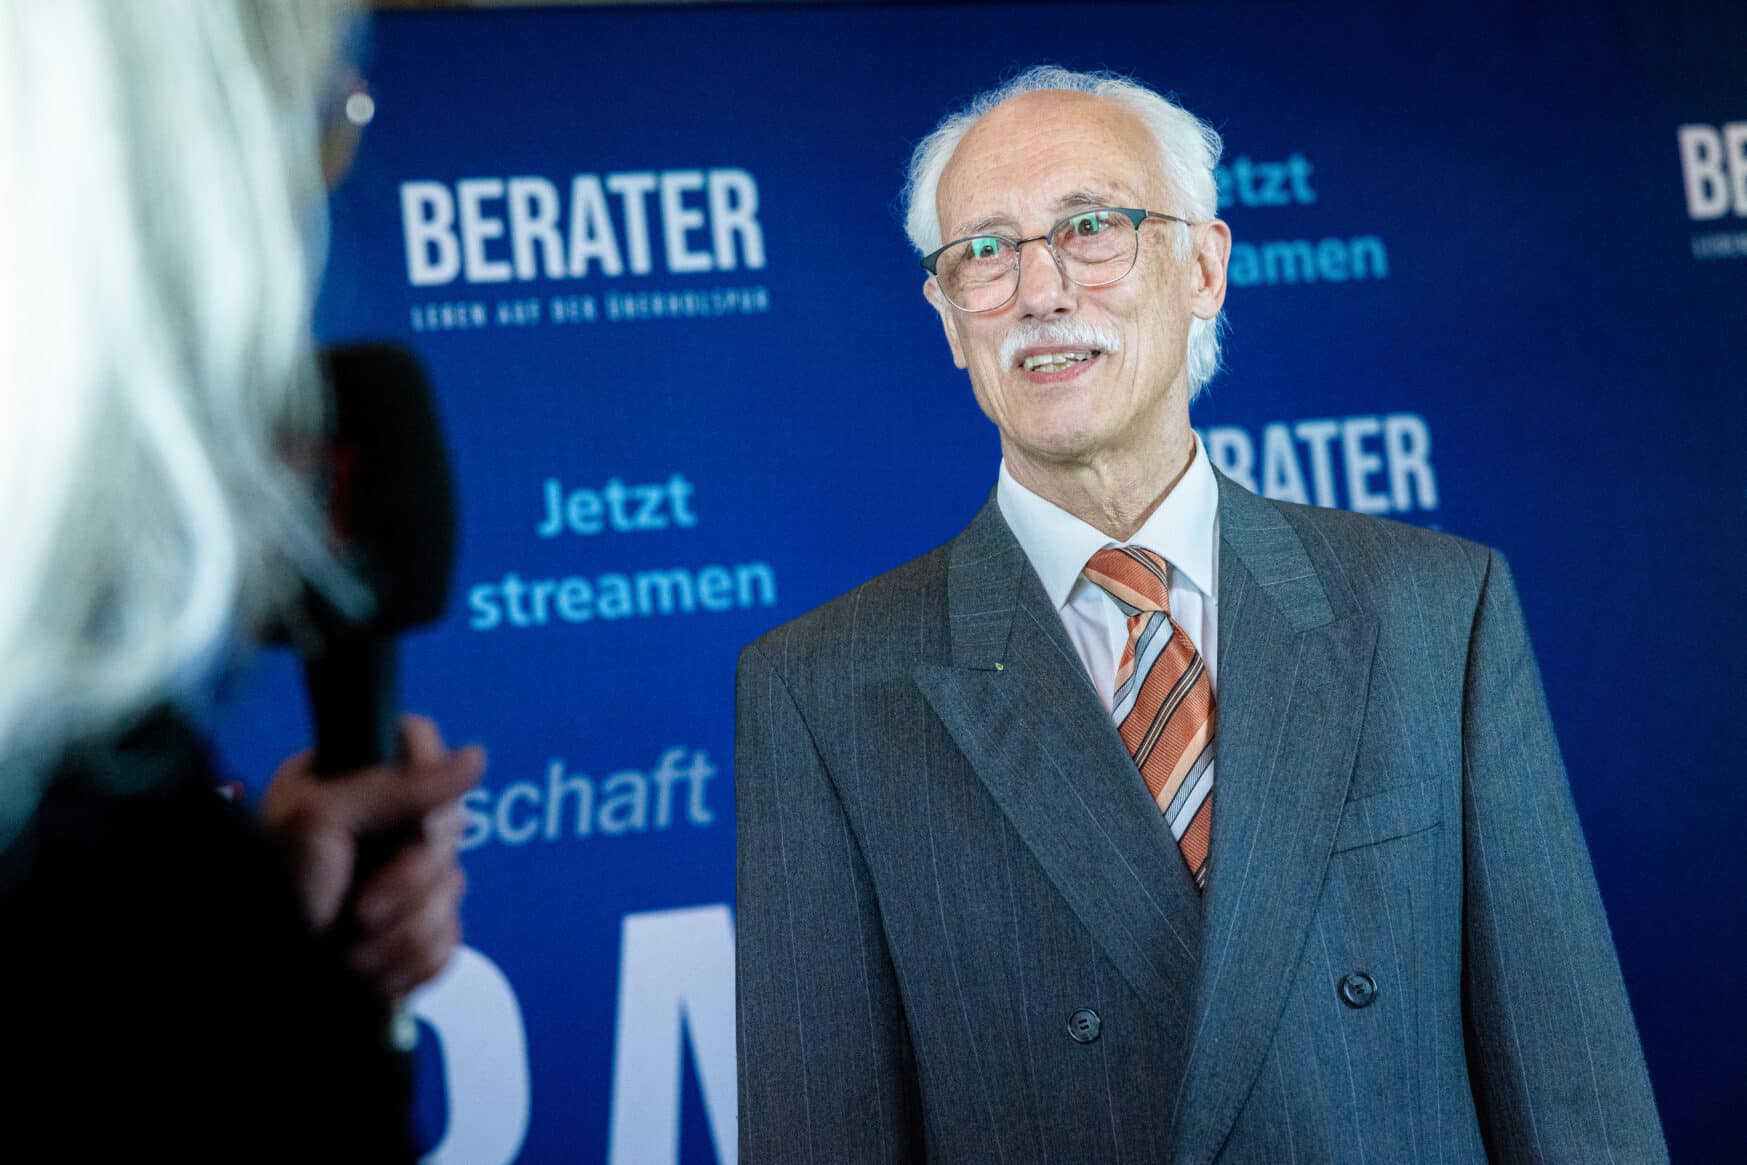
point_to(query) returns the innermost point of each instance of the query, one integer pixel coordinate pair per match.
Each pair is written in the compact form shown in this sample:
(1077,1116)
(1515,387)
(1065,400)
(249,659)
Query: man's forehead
(1041,152)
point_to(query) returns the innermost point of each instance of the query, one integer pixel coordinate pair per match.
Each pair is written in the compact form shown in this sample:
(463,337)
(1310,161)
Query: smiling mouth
(1056,361)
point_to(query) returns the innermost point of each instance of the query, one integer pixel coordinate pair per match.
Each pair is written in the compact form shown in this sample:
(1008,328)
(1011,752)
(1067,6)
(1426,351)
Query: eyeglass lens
(1094,247)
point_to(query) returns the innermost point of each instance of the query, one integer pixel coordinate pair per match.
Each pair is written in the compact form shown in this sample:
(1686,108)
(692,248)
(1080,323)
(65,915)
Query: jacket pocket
(1397,812)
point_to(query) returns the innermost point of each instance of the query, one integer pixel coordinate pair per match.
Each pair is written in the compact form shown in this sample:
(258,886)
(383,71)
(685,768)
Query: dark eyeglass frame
(1134,214)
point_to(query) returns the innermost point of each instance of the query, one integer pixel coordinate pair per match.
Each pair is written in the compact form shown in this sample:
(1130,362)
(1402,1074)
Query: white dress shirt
(1184,529)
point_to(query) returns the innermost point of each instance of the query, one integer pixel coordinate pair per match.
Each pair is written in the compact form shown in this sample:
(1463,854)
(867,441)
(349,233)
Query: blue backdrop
(1491,276)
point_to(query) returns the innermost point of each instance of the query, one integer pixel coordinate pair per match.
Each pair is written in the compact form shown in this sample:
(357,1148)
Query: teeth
(1054,361)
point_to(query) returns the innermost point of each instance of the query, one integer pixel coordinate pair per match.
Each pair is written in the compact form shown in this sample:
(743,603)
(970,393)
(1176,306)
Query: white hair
(1188,151)
(161,218)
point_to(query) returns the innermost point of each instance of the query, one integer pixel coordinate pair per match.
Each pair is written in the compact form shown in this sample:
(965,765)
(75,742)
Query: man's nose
(1044,288)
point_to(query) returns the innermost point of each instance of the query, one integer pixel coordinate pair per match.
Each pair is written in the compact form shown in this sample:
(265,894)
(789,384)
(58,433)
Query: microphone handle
(353,700)
(352,685)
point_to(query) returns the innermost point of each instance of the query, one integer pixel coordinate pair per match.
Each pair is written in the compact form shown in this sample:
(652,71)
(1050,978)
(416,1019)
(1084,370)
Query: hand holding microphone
(371,814)
(406,918)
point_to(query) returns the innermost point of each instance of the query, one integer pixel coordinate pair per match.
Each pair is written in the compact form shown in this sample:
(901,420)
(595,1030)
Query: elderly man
(1148,820)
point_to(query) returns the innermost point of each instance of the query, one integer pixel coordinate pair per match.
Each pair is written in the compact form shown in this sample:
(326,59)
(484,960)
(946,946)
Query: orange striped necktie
(1163,704)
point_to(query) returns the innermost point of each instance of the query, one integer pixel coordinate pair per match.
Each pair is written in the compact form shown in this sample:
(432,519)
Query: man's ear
(1212,254)
(948,320)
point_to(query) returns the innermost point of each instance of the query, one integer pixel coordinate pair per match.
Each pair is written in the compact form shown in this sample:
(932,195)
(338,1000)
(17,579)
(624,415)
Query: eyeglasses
(1092,248)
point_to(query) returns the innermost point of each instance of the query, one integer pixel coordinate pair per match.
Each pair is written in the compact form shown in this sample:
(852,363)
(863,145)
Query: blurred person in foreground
(173,977)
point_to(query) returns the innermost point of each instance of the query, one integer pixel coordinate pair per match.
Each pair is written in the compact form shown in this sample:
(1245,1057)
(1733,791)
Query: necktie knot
(1137,578)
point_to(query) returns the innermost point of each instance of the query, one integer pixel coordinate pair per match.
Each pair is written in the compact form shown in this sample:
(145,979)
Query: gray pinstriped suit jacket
(945,852)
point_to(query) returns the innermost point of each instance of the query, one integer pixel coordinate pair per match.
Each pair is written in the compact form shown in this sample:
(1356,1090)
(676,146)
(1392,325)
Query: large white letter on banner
(1701,163)
(427,220)
(485,1061)
(676,978)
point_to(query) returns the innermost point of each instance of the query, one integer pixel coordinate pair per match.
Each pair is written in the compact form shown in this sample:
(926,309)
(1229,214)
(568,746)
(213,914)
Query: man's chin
(1048,449)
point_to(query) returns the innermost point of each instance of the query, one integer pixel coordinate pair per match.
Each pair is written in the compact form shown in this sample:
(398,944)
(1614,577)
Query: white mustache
(1057,334)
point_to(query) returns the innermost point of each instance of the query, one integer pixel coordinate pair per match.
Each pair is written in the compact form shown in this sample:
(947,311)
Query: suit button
(1358,989)
(1084,1025)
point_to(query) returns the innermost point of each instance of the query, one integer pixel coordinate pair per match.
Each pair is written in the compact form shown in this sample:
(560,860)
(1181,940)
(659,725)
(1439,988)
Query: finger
(416,973)
(419,871)
(433,915)
(324,859)
(298,764)
(383,796)
(445,824)
(413,964)
(321,849)
(421,741)
(417,945)
(284,795)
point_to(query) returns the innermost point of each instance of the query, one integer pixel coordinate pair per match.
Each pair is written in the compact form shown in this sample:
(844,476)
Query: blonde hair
(161,219)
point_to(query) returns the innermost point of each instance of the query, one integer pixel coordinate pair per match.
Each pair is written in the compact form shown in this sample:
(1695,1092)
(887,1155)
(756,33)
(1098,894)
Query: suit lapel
(1292,685)
(1017,702)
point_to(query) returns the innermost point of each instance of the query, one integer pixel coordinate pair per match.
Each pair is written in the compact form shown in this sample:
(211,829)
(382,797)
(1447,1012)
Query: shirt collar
(1058,544)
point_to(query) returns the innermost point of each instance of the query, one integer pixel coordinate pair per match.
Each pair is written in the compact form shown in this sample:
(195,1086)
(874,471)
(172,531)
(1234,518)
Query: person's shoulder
(1378,555)
(1388,535)
(872,622)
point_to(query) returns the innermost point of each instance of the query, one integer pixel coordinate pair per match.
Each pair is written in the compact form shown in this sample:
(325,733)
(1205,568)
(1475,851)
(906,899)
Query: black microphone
(381,475)
(390,500)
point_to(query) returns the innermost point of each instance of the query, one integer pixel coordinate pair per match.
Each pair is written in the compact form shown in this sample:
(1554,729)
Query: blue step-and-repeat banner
(1490,276)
